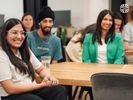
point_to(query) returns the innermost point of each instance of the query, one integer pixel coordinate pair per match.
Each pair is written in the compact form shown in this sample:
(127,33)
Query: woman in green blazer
(104,45)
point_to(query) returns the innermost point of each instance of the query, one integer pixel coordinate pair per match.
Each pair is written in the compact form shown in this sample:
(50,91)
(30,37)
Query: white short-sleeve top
(8,71)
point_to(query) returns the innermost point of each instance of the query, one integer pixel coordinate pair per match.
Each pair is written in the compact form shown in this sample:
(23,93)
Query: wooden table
(79,74)
(129,52)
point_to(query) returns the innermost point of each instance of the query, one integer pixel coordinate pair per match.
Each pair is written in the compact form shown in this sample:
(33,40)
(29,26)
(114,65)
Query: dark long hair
(23,65)
(98,32)
(117,15)
(26,14)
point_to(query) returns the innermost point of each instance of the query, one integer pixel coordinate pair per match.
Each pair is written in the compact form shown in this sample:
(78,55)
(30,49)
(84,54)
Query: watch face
(124,8)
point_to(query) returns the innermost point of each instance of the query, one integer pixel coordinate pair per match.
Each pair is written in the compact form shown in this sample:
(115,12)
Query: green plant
(61,33)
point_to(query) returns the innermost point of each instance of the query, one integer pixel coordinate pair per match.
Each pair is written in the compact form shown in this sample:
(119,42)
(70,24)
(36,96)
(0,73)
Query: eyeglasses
(15,33)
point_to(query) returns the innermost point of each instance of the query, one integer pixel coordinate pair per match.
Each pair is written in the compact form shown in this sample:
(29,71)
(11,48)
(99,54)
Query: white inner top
(102,53)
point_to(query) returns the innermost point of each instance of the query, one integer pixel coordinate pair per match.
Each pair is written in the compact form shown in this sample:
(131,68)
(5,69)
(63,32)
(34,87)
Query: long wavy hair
(98,33)
(23,65)
(117,15)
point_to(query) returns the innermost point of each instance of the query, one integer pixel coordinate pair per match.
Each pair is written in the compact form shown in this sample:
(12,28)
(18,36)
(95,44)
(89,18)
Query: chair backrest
(67,58)
(112,86)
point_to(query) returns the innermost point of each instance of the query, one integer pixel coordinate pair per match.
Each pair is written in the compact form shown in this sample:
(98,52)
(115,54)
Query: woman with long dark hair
(105,45)
(18,66)
(119,22)
(28,22)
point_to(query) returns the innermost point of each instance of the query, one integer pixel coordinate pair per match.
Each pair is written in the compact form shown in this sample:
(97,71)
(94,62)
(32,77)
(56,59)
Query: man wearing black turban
(42,42)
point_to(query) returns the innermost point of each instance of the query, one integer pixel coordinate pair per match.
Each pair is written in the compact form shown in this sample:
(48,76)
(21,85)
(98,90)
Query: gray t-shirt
(9,72)
(128,36)
(128,33)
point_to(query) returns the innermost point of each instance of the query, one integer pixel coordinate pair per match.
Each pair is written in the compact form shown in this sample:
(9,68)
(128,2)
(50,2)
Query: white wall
(83,12)
(129,2)
(92,9)
(11,8)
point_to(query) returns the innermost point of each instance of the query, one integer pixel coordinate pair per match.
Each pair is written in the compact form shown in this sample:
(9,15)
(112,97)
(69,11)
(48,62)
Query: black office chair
(112,86)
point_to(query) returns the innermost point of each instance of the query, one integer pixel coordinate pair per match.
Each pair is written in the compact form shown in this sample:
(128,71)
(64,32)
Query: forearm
(54,61)
(128,48)
(46,76)
(20,88)
(45,72)
(42,71)
(13,88)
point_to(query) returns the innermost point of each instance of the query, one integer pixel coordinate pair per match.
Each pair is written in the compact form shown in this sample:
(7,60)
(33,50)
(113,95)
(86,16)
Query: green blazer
(115,50)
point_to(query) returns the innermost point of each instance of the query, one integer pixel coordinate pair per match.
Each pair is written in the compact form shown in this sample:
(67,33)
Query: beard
(46,31)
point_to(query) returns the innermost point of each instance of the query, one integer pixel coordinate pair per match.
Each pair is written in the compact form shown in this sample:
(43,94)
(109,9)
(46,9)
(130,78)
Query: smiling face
(46,25)
(118,23)
(106,22)
(15,37)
